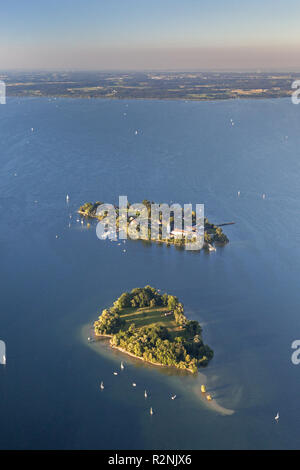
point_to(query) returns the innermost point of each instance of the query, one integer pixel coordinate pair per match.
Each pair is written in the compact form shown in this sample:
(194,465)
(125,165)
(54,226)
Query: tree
(108,323)
(124,300)
(87,207)
(164,299)
(172,302)
(193,328)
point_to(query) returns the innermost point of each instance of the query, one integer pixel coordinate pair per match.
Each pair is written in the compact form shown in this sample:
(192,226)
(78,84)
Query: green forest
(153,327)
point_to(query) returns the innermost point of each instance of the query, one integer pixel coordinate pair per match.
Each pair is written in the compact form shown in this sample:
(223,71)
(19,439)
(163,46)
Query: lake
(56,279)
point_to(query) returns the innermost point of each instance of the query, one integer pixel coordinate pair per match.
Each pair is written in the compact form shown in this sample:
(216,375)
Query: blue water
(246,295)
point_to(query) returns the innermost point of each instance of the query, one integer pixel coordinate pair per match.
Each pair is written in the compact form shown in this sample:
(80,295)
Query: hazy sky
(140,34)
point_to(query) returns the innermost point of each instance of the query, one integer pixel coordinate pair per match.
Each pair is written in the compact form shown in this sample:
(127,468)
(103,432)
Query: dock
(225,223)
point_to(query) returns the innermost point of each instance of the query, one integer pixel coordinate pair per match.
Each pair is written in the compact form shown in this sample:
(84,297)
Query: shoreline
(124,351)
(111,98)
(195,390)
(170,242)
(213,405)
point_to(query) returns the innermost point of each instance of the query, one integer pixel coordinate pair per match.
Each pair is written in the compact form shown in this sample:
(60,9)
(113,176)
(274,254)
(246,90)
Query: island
(213,234)
(152,327)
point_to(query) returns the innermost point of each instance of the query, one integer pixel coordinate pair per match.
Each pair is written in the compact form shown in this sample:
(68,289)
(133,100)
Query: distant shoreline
(161,85)
(133,98)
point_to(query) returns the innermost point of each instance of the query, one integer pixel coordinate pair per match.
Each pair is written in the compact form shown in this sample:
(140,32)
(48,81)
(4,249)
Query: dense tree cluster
(140,297)
(109,322)
(155,343)
(219,236)
(89,209)
(213,233)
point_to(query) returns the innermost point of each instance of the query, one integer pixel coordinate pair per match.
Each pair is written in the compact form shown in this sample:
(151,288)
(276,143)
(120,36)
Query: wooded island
(213,234)
(152,326)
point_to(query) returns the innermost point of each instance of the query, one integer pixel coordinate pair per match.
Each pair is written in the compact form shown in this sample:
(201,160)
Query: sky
(149,34)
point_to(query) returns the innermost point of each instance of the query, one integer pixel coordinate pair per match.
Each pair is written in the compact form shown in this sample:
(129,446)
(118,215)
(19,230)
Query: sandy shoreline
(201,378)
(213,404)
(124,351)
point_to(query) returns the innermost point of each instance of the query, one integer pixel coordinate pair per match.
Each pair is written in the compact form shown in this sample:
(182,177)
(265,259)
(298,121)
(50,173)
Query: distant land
(200,86)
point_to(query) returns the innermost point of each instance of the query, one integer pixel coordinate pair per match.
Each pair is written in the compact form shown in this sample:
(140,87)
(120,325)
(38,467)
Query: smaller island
(213,234)
(152,327)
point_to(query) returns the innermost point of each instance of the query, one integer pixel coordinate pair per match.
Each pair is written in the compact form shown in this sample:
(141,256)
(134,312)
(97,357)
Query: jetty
(225,223)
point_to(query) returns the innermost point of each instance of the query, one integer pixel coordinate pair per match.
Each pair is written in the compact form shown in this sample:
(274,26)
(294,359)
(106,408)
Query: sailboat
(67,197)
(151,411)
(277,417)
(122,366)
(102,386)
(145,394)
